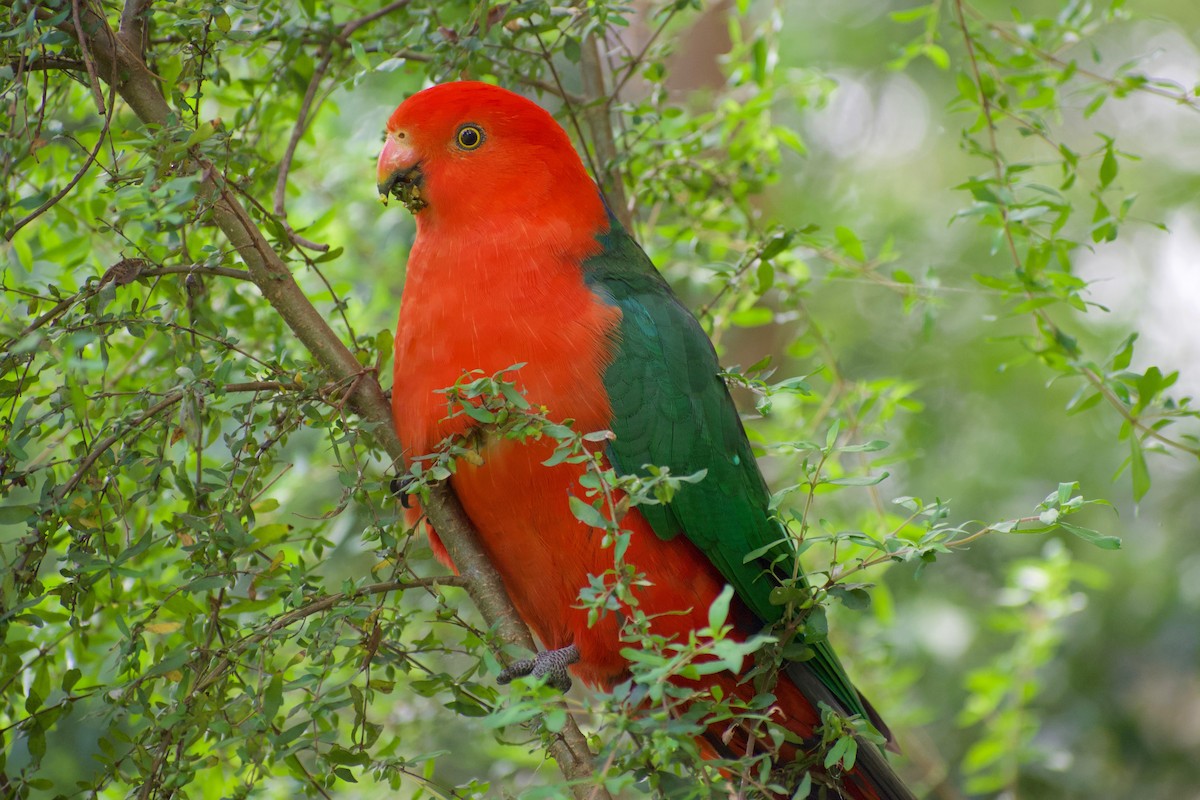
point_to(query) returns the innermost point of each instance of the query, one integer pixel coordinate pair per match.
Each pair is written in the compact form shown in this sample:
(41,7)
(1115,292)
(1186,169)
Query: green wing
(671,408)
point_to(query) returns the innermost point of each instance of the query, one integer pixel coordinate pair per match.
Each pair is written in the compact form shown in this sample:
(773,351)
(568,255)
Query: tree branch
(106,111)
(23,63)
(132,31)
(599,121)
(319,606)
(139,88)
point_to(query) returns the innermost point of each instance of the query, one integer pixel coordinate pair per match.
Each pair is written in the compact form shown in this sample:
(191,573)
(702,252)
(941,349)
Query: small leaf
(1108,167)
(587,513)
(571,49)
(202,132)
(837,751)
(938,56)
(816,625)
(752,317)
(850,243)
(859,480)
(14,515)
(360,54)
(855,598)
(1092,537)
(851,754)
(1137,468)
(868,447)
(718,612)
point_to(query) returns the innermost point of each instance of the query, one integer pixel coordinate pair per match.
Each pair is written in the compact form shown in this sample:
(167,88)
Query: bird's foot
(399,486)
(549,664)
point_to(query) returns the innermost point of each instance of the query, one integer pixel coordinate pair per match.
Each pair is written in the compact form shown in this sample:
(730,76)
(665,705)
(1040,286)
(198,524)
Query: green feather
(671,408)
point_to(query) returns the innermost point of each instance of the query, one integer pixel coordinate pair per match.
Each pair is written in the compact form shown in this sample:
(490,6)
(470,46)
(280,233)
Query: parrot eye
(469,137)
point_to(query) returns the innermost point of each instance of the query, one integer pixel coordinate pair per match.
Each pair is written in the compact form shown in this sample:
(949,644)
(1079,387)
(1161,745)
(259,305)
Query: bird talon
(549,664)
(399,487)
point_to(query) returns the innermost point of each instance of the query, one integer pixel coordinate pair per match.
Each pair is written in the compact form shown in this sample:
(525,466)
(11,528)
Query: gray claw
(549,664)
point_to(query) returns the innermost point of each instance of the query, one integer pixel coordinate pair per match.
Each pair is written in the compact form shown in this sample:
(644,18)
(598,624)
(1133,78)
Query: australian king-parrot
(518,260)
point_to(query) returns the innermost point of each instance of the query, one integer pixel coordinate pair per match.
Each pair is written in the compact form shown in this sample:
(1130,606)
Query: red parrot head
(472,154)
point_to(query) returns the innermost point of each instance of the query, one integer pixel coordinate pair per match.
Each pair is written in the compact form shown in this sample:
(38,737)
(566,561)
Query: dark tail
(872,777)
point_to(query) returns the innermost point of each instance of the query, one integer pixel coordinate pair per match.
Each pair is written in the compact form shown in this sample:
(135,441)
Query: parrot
(518,259)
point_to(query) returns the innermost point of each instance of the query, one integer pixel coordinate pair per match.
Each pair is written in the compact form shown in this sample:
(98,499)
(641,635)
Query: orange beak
(399,170)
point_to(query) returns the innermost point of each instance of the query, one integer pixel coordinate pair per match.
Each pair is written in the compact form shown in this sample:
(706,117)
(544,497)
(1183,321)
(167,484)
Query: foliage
(209,588)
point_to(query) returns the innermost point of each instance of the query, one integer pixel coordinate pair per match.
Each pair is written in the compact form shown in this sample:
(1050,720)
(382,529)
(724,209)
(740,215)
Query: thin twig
(88,61)
(315,607)
(1180,96)
(23,63)
(106,111)
(636,61)
(190,269)
(101,447)
(1039,314)
(302,118)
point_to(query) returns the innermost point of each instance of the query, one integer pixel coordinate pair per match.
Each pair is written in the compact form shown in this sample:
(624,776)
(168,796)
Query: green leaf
(851,754)
(858,480)
(855,598)
(202,133)
(804,788)
(837,751)
(850,243)
(1148,387)
(1108,166)
(1137,468)
(70,678)
(816,625)
(1091,536)
(752,317)
(478,413)
(360,54)
(342,756)
(17,514)
(938,56)
(718,610)
(571,49)
(867,447)
(911,14)
(587,513)
(273,696)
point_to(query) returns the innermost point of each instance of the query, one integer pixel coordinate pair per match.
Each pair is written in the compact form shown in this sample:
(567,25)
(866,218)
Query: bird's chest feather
(488,314)
(489,311)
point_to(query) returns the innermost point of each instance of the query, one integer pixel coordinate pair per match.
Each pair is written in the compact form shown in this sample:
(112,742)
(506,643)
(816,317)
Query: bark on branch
(120,62)
(598,115)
